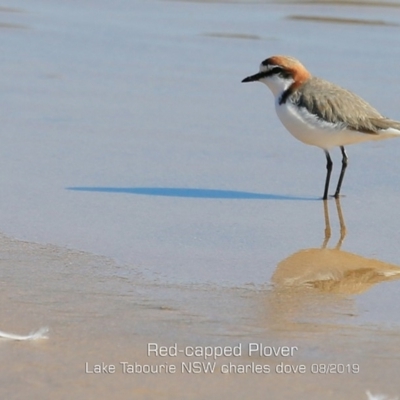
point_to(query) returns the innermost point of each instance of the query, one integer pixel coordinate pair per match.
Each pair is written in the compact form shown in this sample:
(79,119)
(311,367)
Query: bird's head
(279,73)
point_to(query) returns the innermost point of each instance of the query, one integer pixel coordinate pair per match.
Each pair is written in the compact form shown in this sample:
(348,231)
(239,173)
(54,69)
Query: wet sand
(106,320)
(151,198)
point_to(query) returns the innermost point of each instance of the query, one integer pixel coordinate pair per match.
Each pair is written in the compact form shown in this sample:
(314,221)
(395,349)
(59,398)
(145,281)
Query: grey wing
(341,106)
(384,123)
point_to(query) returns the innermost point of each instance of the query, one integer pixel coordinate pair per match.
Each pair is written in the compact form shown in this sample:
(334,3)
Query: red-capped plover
(319,113)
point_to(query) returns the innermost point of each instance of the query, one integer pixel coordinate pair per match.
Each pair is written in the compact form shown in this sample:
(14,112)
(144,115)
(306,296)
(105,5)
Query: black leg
(328,174)
(344,166)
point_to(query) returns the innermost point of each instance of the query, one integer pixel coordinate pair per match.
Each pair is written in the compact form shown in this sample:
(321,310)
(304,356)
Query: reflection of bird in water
(333,270)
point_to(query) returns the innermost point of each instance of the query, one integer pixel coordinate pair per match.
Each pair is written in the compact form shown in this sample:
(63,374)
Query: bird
(320,113)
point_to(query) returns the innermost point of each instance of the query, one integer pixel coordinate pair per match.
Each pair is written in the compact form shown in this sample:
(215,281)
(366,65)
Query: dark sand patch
(335,20)
(232,35)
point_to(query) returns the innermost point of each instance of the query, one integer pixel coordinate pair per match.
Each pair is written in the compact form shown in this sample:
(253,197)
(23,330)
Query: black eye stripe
(270,72)
(276,70)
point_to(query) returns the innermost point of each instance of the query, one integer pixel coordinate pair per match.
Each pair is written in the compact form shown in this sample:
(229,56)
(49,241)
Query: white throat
(277,84)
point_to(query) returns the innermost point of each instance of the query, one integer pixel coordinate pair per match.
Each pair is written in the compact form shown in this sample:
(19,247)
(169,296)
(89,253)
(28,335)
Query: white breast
(311,130)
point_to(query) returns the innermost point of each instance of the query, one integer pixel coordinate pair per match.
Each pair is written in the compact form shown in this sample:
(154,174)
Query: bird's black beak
(254,78)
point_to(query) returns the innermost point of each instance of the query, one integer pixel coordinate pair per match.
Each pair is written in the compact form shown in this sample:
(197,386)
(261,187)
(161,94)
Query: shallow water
(194,216)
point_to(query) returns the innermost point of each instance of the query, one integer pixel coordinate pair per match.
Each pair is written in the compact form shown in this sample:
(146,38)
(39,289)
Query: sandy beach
(164,226)
(100,321)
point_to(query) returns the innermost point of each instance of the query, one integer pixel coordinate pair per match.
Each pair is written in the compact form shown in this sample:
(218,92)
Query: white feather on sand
(36,335)
(379,396)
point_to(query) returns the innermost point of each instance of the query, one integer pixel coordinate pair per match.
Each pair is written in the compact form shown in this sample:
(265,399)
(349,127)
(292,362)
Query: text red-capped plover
(320,113)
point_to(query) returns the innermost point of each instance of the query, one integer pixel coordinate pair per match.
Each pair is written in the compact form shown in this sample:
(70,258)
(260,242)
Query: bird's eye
(276,70)
(282,72)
